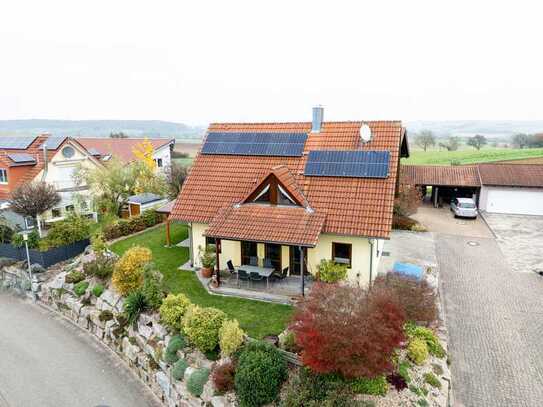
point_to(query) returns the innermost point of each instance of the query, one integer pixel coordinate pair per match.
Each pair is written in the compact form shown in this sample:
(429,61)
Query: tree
(425,139)
(118,135)
(521,140)
(477,141)
(34,198)
(143,151)
(408,197)
(175,177)
(348,330)
(451,144)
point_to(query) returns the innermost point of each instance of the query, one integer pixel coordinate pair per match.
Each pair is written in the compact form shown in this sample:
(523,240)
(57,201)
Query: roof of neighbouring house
(515,175)
(121,148)
(144,198)
(441,175)
(346,205)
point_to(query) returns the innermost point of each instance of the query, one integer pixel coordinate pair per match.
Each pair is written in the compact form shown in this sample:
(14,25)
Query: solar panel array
(21,158)
(357,164)
(54,142)
(16,143)
(268,144)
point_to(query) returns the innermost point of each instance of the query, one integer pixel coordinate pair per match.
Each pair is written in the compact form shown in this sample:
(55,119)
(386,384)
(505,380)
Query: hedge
(125,227)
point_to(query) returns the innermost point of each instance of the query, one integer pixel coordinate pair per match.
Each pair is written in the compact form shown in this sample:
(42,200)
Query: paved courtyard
(520,239)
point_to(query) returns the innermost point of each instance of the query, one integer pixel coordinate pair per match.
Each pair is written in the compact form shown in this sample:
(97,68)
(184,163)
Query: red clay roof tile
(122,148)
(441,175)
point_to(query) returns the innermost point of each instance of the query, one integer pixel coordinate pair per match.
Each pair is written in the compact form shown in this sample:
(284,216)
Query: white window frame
(3,176)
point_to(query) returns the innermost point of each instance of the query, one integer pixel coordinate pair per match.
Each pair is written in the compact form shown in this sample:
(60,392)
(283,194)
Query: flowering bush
(172,310)
(231,337)
(348,330)
(128,271)
(201,325)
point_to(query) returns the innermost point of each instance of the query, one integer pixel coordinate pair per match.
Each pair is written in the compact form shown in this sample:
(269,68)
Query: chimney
(45,163)
(318,114)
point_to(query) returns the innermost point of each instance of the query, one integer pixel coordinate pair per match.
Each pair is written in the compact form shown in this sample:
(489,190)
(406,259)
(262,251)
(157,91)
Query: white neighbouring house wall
(164,154)
(511,200)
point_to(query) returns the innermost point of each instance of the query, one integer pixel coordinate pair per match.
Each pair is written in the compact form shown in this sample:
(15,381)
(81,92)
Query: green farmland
(470,156)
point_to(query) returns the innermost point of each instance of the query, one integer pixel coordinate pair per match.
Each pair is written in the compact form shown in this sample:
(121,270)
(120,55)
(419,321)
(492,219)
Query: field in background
(184,147)
(464,156)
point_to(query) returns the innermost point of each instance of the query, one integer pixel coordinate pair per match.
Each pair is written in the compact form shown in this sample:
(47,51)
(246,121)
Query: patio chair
(253,261)
(231,267)
(279,276)
(268,263)
(255,277)
(243,276)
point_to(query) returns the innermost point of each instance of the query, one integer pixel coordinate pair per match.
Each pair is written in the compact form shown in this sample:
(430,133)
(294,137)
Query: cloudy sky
(203,61)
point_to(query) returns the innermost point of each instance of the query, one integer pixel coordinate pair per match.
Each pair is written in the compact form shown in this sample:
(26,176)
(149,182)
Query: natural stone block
(163,381)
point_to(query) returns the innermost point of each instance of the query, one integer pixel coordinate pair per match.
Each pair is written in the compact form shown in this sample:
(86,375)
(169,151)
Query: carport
(447,182)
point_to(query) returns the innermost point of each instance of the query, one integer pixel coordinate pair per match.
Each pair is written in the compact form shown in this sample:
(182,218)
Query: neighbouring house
(49,159)
(123,149)
(136,204)
(497,188)
(289,195)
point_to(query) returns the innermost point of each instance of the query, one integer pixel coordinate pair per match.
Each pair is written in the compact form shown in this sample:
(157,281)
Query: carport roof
(515,175)
(439,175)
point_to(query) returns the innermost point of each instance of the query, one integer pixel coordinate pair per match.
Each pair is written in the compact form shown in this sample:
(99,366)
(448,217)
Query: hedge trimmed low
(125,227)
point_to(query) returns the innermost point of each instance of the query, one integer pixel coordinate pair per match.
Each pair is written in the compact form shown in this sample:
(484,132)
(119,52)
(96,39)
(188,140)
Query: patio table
(263,271)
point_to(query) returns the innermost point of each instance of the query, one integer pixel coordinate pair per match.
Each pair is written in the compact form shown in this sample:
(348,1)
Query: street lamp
(25,239)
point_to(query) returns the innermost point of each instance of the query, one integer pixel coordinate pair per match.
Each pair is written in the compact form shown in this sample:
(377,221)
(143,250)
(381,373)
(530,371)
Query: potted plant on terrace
(207,259)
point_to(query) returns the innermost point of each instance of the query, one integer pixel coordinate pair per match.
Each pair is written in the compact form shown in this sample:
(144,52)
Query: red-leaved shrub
(348,330)
(417,297)
(223,377)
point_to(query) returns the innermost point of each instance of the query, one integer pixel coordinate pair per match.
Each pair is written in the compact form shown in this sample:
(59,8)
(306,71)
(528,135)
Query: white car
(464,207)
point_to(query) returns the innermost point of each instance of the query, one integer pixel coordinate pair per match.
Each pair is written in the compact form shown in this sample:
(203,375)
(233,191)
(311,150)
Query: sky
(201,61)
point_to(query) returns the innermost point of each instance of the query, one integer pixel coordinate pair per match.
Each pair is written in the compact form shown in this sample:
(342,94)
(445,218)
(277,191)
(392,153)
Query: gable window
(272,193)
(342,253)
(3,176)
(68,152)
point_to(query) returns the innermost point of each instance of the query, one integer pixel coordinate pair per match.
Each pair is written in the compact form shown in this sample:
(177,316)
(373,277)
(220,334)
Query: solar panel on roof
(267,144)
(358,164)
(54,142)
(16,143)
(20,158)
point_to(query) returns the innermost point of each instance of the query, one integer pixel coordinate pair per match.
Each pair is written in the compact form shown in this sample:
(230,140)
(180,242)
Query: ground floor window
(342,253)
(210,243)
(3,176)
(55,213)
(29,222)
(273,256)
(294,255)
(249,253)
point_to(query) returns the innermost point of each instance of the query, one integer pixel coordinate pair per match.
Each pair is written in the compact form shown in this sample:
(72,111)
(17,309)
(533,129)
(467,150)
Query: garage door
(523,201)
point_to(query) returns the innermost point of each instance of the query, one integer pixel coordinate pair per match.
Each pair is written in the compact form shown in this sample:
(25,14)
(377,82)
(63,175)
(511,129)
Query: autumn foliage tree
(408,197)
(348,330)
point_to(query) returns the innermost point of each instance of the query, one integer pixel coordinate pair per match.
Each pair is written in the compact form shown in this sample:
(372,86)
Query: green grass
(471,156)
(255,317)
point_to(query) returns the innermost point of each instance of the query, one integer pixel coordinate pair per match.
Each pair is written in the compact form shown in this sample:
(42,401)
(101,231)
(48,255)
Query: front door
(273,253)
(295,260)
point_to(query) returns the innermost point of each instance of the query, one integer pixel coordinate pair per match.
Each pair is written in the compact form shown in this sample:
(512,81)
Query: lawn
(255,317)
(187,162)
(470,156)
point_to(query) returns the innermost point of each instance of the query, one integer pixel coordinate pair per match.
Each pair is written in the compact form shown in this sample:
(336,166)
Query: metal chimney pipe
(318,115)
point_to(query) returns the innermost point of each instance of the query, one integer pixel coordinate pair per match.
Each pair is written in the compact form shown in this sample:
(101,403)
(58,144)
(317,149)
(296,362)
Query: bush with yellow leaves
(231,337)
(128,271)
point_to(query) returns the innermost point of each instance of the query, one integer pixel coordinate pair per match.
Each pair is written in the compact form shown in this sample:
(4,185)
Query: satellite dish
(365,133)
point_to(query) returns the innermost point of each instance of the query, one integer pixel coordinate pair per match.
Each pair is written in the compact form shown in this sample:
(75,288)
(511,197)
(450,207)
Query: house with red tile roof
(288,195)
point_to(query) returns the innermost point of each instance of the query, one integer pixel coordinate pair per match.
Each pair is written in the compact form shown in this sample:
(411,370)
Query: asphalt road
(45,361)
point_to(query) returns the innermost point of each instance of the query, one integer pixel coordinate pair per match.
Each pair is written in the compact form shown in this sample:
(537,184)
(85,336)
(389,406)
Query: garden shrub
(98,290)
(417,351)
(81,288)
(287,341)
(401,222)
(134,305)
(176,343)
(105,315)
(128,271)
(201,326)
(70,230)
(331,272)
(124,227)
(260,372)
(403,370)
(17,240)
(428,336)
(196,381)
(74,277)
(397,381)
(377,386)
(173,309)
(170,357)
(178,369)
(432,380)
(223,377)
(6,233)
(348,330)
(101,267)
(231,337)
(152,286)
(98,244)
(418,297)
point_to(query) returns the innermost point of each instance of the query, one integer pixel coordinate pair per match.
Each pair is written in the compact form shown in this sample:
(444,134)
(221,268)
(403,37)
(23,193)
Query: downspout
(372,242)
(191,250)
(43,177)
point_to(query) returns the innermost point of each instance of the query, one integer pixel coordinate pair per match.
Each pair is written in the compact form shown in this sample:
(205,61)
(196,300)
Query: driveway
(442,220)
(46,361)
(520,239)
